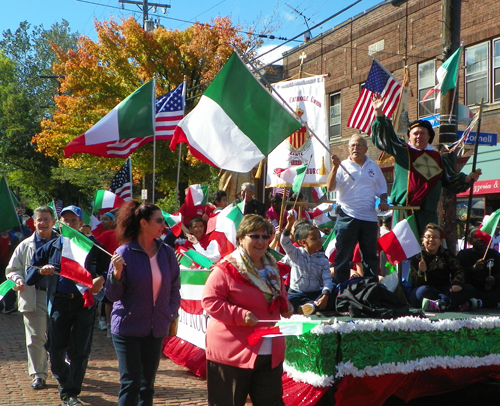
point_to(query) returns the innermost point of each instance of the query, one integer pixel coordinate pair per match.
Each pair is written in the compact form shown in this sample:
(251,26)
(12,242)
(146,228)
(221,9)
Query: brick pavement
(174,384)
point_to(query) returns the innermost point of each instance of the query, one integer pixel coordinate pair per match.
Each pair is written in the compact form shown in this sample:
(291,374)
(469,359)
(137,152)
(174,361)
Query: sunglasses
(256,237)
(160,220)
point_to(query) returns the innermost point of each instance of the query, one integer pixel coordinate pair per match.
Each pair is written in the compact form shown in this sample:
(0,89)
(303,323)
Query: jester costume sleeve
(418,175)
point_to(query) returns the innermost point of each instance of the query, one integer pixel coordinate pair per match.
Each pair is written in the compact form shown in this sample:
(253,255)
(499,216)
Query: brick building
(407,35)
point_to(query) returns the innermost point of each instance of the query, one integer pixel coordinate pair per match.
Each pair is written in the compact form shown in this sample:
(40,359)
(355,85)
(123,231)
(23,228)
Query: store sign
(484,187)
(484,138)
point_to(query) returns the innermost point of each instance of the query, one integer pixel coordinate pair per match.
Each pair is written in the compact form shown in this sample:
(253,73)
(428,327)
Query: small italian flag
(198,258)
(174,221)
(226,224)
(104,199)
(488,228)
(402,242)
(5,287)
(192,284)
(76,247)
(446,75)
(294,176)
(236,123)
(196,195)
(283,328)
(330,247)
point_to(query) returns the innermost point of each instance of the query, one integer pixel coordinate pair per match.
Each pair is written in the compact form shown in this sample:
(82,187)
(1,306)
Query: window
(335,130)
(496,70)
(476,73)
(426,81)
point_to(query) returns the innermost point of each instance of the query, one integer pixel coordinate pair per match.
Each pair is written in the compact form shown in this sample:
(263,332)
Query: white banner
(193,327)
(307,98)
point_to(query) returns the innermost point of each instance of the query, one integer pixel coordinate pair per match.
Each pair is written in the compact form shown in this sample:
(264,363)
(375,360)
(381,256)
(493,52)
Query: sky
(289,17)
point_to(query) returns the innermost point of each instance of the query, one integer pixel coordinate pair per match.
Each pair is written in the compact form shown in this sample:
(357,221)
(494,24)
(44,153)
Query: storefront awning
(488,159)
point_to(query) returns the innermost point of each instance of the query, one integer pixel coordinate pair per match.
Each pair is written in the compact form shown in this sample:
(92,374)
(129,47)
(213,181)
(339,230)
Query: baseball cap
(73,209)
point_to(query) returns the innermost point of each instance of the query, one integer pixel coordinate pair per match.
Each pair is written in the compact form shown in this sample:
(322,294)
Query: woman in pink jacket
(243,288)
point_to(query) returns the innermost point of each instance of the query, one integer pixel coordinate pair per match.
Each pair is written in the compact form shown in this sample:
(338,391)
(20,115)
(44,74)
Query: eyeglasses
(197,227)
(256,237)
(356,145)
(160,220)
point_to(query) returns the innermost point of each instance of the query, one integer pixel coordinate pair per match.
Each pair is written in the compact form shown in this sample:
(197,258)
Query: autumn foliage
(96,76)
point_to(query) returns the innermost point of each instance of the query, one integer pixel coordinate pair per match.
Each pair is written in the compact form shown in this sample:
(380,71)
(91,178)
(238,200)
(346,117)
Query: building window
(476,73)
(426,81)
(496,70)
(335,130)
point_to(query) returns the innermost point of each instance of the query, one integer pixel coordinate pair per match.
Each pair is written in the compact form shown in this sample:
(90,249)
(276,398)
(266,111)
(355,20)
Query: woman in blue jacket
(143,284)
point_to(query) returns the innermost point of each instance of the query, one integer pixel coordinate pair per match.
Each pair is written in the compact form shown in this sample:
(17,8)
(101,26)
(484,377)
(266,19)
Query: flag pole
(184,91)
(130,177)
(455,89)
(474,162)
(154,144)
(303,123)
(300,188)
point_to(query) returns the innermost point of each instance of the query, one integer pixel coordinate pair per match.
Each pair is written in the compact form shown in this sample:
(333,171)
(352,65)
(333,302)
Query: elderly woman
(143,284)
(244,288)
(438,278)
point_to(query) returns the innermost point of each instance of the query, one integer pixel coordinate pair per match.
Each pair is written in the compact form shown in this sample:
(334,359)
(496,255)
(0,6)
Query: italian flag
(133,118)
(446,75)
(104,199)
(487,230)
(76,247)
(294,176)
(402,242)
(318,192)
(192,284)
(198,258)
(5,287)
(330,247)
(226,224)
(174,221)
(283,328)
(236,123)
(196,195)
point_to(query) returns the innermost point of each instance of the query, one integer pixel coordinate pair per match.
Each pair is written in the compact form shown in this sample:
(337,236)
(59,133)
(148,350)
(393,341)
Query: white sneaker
(102,325)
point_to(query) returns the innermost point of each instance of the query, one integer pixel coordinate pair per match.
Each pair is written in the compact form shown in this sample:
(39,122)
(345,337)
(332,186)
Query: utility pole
(146,23)
(447,207)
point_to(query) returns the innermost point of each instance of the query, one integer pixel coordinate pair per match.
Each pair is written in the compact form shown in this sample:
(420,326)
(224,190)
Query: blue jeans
(299,298)
(138,360)
(452,299)
(70,331)
(348,232)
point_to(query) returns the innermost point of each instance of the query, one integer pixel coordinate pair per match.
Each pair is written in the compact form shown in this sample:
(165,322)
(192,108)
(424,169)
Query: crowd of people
(277,268)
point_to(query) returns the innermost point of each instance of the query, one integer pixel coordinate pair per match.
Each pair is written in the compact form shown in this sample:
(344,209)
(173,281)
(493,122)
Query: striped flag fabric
(294,175)
(76,247)
(227,222)
(121,185)
(379,81)
(487,229)
(283,328)
(330,247)
(402,242)
(174,221)
(192,284)
(318,192)
(104,199)
(236,123)
(169,111)
(5,287)
(196,195)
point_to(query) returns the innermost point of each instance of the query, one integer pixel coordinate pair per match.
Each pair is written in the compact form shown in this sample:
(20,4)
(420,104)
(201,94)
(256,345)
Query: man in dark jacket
(71,313)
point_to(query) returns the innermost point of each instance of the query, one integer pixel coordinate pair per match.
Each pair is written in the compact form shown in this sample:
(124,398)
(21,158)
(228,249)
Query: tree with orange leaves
(96,76)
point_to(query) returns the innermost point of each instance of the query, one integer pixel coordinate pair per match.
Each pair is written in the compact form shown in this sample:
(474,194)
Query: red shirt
(189,212)
(109,240)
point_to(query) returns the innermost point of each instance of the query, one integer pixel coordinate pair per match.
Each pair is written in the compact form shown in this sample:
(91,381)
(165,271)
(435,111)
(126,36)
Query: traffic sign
(484,138)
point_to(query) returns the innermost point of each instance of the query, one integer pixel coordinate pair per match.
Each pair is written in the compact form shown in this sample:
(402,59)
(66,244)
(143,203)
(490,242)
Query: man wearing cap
(420,170)
(71,313)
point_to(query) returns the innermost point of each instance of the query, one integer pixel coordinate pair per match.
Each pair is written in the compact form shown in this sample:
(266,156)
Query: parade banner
(307,98)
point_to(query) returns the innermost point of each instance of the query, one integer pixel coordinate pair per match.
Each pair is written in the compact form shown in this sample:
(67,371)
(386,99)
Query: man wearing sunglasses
(71,313)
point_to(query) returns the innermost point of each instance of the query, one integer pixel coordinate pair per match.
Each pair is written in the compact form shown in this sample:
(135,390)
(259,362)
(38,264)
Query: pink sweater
(227,300)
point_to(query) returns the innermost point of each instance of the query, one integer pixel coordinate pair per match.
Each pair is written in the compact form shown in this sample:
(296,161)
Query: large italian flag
(76,247)
(236,122)
(192,284)
(402,242)
(196,195)
(226,224)
(132,118)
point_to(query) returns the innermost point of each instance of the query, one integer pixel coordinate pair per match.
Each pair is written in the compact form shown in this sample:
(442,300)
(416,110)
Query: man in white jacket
(32,300)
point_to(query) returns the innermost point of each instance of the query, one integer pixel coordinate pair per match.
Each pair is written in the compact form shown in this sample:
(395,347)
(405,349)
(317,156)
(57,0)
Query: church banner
(307,98)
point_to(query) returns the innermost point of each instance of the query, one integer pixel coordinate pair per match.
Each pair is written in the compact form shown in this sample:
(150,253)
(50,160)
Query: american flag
(121,185)
(169,111)
(379,81)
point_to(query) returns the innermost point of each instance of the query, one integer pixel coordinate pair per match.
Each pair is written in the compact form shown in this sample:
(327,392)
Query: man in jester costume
(420,170)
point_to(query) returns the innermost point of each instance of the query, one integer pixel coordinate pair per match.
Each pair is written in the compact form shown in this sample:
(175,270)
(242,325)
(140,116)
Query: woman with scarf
(244,288)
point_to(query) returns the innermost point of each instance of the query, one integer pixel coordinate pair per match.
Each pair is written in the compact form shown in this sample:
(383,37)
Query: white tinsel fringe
(410,323)
(423,364)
